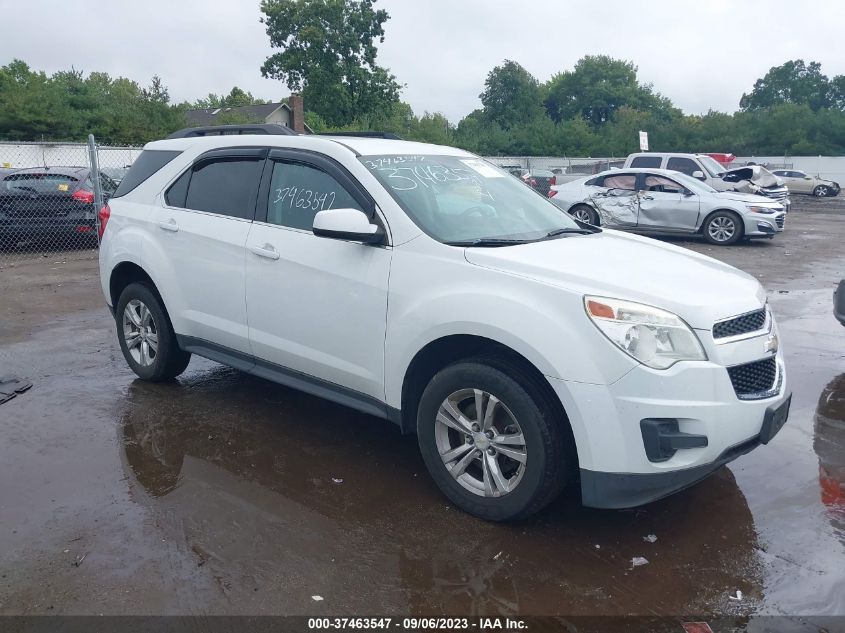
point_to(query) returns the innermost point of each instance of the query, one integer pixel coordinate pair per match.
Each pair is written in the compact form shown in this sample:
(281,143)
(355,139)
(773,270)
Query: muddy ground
(225,493)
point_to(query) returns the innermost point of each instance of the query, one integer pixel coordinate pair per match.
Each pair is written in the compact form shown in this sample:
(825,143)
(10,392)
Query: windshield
(462,198)
(712,166)
(693,184)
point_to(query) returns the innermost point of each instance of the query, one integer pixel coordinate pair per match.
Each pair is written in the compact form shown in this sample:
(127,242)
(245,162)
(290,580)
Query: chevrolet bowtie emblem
(771,344)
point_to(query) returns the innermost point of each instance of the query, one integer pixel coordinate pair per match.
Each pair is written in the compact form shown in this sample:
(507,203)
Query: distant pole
(95,179)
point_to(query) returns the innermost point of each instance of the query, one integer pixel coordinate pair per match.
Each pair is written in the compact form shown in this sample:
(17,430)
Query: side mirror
(346,224)
(699,174)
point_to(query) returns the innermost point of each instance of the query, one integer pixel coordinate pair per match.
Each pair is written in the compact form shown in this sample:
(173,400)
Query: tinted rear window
(226,186)
(649,162)
(39,183)
(148,163)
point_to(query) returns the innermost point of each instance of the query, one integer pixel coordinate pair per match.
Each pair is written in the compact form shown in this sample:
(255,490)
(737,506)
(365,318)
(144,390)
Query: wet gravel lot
(225,493)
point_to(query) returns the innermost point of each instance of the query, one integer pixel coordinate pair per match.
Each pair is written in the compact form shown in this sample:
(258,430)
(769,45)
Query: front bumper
(759,225)
(626,490)
(698,397)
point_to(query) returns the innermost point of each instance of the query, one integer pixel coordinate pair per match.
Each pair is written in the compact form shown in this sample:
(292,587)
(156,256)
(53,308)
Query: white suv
(426,286)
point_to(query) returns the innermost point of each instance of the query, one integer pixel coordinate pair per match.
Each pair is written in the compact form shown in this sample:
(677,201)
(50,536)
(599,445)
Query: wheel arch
(589,205)
(125,273)
(452,348)
(733,212)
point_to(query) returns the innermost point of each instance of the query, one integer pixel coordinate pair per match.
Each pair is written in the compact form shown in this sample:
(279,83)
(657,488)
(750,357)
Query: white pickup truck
(754,179)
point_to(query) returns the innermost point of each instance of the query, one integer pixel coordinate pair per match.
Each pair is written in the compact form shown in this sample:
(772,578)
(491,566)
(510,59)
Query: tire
(155,355)
(821,191)
(525,422)
(585,213)
(723,228)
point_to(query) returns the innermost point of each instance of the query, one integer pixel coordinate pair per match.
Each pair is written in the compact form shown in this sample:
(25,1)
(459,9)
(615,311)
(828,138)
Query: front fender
(545,324)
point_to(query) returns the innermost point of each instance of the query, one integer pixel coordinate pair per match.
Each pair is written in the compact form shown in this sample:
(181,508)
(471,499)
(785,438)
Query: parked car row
(666,202)
(751,179)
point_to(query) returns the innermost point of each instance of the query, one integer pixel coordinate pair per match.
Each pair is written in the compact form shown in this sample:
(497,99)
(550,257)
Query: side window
(178,191)
(625,182)
(684,165)
(649,162)
(148,163)
(226,186)
(298,191)
(662,184)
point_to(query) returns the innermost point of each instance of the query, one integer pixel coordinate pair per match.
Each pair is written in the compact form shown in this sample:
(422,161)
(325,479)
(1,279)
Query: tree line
(326,51)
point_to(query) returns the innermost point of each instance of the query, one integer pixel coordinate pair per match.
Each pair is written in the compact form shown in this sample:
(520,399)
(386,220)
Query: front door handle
(648,197)
(169,225)
(265,251)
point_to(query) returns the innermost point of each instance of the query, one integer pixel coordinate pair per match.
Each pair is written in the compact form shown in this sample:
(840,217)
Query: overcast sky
(701,54)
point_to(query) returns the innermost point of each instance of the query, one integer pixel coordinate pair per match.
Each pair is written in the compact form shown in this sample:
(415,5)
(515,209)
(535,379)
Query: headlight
(763,210)
(654,337)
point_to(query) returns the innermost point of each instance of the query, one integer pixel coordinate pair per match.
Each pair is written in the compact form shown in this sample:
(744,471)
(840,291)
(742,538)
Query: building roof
(207,116)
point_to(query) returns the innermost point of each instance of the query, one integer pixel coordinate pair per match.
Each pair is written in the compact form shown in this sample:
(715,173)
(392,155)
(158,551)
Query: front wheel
(146,336)
(492,448)
(585,213)
(723,228)
(821,191)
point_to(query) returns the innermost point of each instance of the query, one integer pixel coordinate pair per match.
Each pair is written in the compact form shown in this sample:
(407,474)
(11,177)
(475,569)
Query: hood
(697,288)
(747,198)
(757,174)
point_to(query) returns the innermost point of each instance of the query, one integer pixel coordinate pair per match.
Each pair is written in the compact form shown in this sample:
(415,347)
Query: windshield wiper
(571,231)
(488,241)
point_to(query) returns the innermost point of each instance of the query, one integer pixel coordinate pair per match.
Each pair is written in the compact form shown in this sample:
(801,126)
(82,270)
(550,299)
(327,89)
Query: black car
(49,203)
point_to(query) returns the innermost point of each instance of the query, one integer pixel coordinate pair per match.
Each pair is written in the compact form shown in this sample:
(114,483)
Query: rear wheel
(494,450)
(585,213)
(723,228)
(146,336)
(821,191)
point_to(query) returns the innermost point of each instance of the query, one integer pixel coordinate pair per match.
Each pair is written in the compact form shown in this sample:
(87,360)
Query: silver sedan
(659,201)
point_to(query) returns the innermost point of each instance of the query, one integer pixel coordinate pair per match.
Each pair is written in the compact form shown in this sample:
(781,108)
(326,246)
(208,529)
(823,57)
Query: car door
(615,198)
(316,305)
(202,230)
(666,204)
(800,182)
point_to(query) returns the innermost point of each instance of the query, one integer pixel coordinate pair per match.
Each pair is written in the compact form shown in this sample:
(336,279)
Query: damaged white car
(659,201)
(754,179)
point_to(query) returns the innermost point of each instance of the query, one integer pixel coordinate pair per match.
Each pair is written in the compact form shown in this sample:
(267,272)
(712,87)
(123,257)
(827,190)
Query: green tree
(597,87)
(792,82)
(236,97)
(512,96)
(328,53)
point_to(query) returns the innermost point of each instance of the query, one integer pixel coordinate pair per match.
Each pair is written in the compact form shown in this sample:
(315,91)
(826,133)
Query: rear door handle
(169,225)
(265,251)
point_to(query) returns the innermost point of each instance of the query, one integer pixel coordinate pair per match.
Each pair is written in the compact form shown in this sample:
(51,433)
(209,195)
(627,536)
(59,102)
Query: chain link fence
(50,196)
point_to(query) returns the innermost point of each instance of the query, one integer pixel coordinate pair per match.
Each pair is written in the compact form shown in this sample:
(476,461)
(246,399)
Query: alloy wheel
(140,333)
(582,215)
(721,228)
(480,442)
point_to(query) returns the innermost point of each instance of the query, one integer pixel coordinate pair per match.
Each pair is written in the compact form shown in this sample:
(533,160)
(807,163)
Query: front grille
(779,220)
(752,379)
(777,194)
(743,324)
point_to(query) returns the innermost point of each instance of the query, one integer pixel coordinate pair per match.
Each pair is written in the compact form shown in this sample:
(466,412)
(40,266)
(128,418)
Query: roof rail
(386,135)
(221,130)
